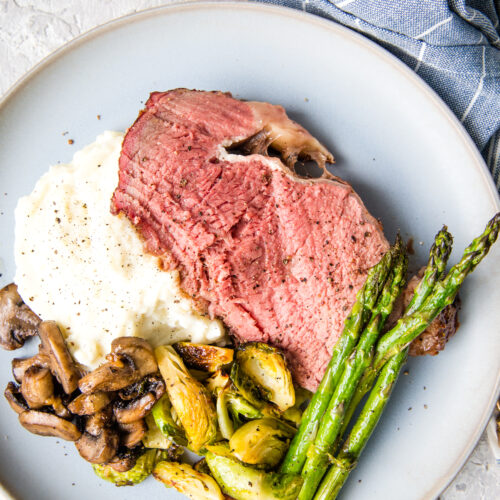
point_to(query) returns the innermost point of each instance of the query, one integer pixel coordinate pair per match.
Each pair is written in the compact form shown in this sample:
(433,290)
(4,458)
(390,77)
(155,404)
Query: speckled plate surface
(394,140)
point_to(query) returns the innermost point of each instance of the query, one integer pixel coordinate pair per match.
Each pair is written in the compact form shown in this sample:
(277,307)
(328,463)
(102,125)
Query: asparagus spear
(438,257)
(317,460)
(443,294)
(361,432)
(379,396)
(354,323)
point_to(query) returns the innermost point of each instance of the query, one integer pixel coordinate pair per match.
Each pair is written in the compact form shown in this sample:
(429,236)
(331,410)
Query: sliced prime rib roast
(278,257)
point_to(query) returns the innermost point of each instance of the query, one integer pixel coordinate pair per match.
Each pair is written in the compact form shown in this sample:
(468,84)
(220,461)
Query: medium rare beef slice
(279,258)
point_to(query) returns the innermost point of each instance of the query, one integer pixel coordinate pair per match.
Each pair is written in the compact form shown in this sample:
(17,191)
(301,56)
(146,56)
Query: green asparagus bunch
(438,258)
(432,295)
(354,324)
(361,358)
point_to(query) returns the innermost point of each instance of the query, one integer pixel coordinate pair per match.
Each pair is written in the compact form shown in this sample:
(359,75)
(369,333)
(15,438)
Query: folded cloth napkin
(454,45)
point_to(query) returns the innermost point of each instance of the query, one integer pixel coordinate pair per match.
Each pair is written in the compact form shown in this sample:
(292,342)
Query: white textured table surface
(32,29)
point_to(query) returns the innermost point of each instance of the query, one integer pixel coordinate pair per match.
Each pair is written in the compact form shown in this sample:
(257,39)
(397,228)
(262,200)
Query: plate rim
(331,25)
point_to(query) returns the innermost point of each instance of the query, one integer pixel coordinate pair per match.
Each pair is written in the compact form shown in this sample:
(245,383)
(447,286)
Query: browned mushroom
(151,383)
(20,365)
(123,460)
(46,424)
(130,360)
(37,387)
(149,390)
(99,420)
(61,362)
(111,376)
(133,433)
(17,320)
(88,404)
(126,413)
(99,442)
(15,398)
(100,448)
(139,350)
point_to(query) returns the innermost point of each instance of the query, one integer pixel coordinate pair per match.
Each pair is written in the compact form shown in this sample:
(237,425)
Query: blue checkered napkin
(454,45)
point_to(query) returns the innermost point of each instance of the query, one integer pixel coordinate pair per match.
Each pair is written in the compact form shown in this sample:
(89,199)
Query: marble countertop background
(32,29)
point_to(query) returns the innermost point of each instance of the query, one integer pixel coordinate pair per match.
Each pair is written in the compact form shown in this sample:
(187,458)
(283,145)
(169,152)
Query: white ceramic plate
(394,140)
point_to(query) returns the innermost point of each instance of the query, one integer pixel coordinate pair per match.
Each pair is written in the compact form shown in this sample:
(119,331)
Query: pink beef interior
(277,257)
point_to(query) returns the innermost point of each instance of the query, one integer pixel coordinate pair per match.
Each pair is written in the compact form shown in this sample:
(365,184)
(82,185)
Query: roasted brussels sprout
(154,438)
(260,372)
(220,449)
(141,470)
(261,442)
(164,420)
(219,380)
(232,408)
(186,480)
(189,398)
(302,398)
(201,466)
(199,375)
(243,482)
(204,357)
(240,407)
(226,425)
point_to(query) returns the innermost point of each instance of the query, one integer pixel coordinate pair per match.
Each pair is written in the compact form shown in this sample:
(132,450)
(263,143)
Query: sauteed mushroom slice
(88,404)
(15,398)
(46,424)
(37,387)
(151,383)
(17,320)
(100,448)
(61,362)
(20,365)
(59,408)
(139,350)
(130,360)
(99,443)
(111,376)
(126,413)
(133,433)
(123,460)
(95,423)
(149,390)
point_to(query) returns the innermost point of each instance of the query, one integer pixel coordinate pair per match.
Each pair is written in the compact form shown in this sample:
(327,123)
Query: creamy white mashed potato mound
(81,266)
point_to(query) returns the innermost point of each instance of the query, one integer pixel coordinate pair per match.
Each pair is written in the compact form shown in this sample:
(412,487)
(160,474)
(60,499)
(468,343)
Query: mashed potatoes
(81,266)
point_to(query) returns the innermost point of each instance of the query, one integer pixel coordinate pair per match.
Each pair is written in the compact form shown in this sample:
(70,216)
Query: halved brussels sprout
(260,372)
(231,406)
(219,380)
(226,425)
(154,438)
(185,479)
(220,449)
(240,407)
(199,375)
(163,416)
(261,442)
(189,398)
(201,466)
(141,470)
(243,482)
(204,357)
(302,398)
